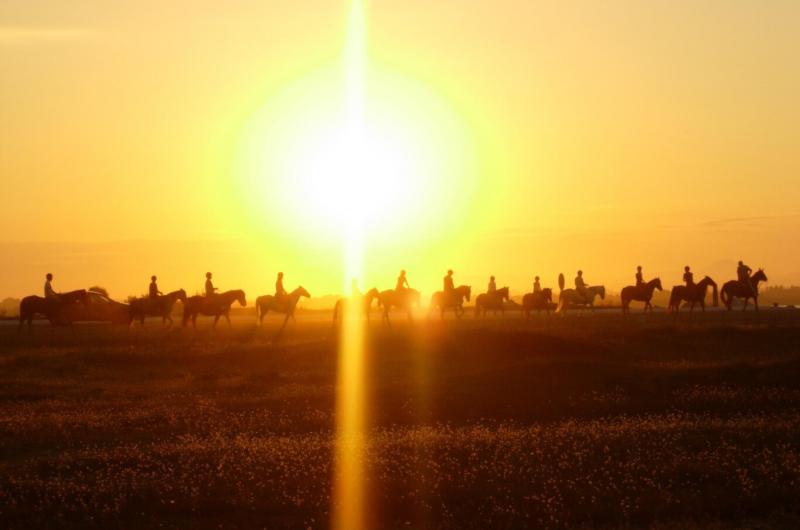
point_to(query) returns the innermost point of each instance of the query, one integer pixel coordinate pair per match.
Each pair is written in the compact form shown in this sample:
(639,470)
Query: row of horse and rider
(693,293)
(403,296)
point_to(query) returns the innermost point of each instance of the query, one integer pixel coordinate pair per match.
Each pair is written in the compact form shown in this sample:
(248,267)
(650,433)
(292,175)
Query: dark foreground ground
(590,421)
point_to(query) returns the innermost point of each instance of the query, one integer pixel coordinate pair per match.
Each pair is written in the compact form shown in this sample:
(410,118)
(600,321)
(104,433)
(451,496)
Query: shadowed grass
(579,422)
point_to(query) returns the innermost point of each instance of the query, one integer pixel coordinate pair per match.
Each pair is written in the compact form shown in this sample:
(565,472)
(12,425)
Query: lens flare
(348,494)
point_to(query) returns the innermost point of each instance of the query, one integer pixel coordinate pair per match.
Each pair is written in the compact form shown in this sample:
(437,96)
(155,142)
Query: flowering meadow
(571,423)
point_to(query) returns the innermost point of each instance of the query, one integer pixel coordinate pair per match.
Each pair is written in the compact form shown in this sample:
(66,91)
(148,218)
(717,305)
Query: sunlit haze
(511,138)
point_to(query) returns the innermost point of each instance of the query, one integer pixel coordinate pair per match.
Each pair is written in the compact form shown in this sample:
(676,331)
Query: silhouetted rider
(447,283)
(580,285)
(154,292)
(210,289)
(492,288)
(743,273)
(50,294)
(639,276)
(402,282)
(537,287)
(688,277)
(280,291)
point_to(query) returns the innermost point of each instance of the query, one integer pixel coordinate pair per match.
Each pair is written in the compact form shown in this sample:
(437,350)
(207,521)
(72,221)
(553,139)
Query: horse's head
(547,293)
(181,295)
(759,276)
(657,284)
(602,291)
(504,293)
(301,291)
(706,281)
(241,298)
(467,291)
(373,293)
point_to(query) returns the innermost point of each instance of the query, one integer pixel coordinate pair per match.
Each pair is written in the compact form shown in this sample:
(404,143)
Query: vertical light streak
(348,495)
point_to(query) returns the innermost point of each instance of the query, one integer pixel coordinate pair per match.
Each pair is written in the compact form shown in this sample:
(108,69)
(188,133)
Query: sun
(314,162)
(348,174)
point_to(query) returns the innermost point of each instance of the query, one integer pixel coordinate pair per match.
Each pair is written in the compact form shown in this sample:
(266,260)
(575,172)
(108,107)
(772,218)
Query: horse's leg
(228,318)
(755,303)
(746,299)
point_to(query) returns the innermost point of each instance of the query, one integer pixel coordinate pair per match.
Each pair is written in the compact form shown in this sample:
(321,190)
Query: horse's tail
(714,295)
(673,295)
(258,309)
(724,295)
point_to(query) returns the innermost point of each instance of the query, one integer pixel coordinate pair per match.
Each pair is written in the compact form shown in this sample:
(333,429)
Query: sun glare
(349,145)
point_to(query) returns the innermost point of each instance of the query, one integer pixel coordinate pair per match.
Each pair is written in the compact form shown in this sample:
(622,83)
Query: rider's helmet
(580,273)
(686,268)
(402,272)
(49,276)
(639,268)
(280,275)
(449,272)
(491,278)
(152,278)
(208,275)
(537,278)
(741,263)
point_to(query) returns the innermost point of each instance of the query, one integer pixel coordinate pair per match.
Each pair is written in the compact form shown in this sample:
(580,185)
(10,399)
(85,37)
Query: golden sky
(165,138)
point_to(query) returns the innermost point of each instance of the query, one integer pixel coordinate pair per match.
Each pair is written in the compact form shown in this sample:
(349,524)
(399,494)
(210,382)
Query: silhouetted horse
(51,309)
(285,304)
(694,295)
(537,301)
(404,299)
(365,300)
(572,297)
(494,301)
(217,305)
(155,307)
(639,293)
(735,289)
(455,301)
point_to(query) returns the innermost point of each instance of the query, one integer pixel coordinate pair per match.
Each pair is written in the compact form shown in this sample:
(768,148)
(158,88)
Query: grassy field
(584,421)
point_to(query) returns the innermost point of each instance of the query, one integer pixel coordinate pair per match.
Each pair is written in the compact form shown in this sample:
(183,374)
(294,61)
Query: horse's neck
(229,295)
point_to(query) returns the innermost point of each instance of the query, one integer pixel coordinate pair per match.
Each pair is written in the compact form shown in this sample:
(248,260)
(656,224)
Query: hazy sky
(547,136)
